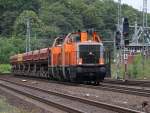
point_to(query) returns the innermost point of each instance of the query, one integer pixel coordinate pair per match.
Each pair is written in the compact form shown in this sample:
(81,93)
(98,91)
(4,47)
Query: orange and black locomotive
(77,56)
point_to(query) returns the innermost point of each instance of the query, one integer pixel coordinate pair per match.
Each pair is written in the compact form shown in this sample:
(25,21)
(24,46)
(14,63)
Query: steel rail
(124,89)
(83,100)
(121,89)
(103,86)
(40,99)
(144,83)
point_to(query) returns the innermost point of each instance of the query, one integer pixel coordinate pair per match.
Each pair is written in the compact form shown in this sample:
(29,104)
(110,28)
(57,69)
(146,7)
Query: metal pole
(122,41)
(144,13)
(118,53)
(120,28)
(119,12)
(114,42)
(144,29)
(28,35)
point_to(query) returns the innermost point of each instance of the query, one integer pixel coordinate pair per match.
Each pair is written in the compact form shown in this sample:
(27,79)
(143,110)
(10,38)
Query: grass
(6,108)
(136,70)
(5,68)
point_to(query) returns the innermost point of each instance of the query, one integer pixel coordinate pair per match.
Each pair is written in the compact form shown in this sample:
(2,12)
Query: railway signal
(117,39)
(126,31)
(125,27)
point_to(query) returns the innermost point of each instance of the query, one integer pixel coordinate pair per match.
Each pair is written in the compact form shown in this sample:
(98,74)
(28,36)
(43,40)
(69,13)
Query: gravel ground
(21,104)
(86,108)
(121,99)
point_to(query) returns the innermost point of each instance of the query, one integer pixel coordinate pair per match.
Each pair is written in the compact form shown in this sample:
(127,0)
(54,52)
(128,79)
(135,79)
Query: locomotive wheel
(72,79)
(96,83)
(72,76)
(88,82)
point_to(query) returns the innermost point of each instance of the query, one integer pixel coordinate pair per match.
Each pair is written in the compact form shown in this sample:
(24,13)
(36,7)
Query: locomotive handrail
(63,55)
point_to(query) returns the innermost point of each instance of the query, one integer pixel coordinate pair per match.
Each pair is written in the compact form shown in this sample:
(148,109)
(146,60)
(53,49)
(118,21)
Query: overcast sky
(138,4)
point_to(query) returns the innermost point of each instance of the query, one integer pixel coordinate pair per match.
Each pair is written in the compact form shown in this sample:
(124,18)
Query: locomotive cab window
(59,42)
(75,38)
(90,37)
(90,54)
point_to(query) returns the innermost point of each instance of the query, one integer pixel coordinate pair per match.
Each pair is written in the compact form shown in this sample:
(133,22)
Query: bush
(6,108)
(10,47)
(5,68)
(137,70)
(140,68)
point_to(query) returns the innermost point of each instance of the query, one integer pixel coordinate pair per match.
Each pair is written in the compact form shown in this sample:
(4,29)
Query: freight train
(76,57)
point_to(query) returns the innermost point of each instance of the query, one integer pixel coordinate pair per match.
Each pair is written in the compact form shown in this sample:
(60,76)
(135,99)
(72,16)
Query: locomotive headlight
(80,61)
(101,60)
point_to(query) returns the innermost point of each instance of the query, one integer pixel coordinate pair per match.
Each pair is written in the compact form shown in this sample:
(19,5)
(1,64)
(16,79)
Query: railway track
(46,97)
(120,86)
(142,83)
(139,91)
(115,86)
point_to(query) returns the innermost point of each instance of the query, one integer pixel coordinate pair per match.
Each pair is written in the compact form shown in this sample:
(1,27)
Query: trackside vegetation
(7,108)
(5,68)
(139,69)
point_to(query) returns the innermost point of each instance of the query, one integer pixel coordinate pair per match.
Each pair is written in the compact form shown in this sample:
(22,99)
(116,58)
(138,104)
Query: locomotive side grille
(90,54)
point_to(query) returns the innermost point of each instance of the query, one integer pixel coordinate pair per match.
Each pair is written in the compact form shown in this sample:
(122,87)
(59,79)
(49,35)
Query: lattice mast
(144,13)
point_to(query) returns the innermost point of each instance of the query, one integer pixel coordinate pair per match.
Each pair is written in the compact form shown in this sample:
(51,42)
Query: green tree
(21,21)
